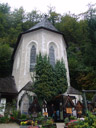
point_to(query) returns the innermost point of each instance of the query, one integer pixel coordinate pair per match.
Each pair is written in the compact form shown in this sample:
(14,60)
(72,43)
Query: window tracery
(32,58)
(52,55)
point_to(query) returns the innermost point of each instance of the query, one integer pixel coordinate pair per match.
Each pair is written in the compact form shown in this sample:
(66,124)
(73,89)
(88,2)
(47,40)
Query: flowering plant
(12,118)
(29,122)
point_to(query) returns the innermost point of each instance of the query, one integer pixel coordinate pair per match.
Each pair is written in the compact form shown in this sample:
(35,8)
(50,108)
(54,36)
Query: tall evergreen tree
(60,76)
(44,78)
(50,81)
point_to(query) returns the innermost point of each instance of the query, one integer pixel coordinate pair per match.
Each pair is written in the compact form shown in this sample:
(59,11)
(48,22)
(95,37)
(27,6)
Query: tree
(50,81)
(54,17)
(4,22)
(68,26)
(34,16)
(60,73)
(90,54)
(44,77)
(5,60)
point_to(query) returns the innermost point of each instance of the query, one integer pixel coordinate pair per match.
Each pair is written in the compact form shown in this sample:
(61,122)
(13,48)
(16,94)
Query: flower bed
(71,124)
(29,124)
(34,124)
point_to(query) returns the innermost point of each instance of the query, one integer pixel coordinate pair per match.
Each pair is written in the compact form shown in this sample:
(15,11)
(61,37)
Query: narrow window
(52,56)
(32,58)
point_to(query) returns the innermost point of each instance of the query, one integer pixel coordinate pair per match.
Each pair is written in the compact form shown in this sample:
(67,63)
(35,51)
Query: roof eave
(8,93)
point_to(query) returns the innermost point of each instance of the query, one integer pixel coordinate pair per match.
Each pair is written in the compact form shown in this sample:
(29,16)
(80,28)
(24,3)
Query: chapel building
(42,38)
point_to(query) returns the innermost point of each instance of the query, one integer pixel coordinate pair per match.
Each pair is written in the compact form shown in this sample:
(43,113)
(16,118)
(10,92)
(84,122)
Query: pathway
(60,125)
(9,125)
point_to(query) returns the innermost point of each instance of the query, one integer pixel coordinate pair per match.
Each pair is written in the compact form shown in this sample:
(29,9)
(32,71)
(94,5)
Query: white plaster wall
(32,94)
(17,63)
(42,40)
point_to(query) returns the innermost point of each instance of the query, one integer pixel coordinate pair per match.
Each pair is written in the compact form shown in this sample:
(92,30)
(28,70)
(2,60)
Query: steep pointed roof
(44,24)
(72,90)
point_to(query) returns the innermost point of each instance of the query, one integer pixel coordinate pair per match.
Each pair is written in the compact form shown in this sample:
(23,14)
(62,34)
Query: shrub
(4,119)
(14,115)
(23,116)
(73,124)
(89,122)
(66,120)
(73,118)
(49,121)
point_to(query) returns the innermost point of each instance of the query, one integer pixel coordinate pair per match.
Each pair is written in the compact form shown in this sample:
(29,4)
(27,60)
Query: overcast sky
(61,6)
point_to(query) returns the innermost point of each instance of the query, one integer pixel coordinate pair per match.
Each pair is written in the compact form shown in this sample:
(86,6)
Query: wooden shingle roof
(8,86)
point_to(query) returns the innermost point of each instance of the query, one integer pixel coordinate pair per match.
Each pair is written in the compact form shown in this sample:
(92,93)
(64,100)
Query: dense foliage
(79,32)
(89,122)
(5,59)
(50,81)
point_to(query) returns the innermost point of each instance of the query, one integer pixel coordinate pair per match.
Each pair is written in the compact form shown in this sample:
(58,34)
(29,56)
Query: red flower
(12,118)
(1,115)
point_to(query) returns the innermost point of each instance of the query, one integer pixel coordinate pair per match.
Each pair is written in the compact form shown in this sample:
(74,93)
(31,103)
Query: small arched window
(32,58)
(52,56)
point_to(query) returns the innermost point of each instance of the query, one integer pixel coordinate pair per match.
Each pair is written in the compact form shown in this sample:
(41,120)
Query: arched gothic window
(32,58)
(52,56)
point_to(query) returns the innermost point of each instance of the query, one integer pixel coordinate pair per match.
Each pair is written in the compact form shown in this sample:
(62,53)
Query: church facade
(42,38)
